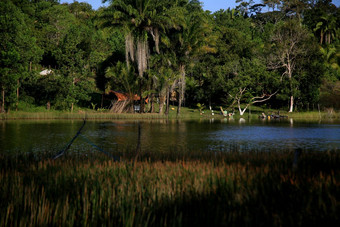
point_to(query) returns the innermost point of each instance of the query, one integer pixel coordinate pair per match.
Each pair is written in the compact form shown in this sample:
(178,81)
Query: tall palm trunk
(167,101)
(129,49)
(141,95)
(3,100)
(151,100)
(142,56)
(142,63)
(162,99)
(181,88)
(161,103)
(17,103)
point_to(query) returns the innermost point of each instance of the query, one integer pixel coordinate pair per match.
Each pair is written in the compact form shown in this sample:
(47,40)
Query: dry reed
(254,188)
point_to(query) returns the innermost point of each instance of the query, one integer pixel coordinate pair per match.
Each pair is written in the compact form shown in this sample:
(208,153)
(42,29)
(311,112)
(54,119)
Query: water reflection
(166,135)
(242,121)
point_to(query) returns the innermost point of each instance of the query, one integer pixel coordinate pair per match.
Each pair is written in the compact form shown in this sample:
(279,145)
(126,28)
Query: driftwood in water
(62,152)
(273,116)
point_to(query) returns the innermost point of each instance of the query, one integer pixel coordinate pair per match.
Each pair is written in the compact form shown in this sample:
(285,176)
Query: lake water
(163,136)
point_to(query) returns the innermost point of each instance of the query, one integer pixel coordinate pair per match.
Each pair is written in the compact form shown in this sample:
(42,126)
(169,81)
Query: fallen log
(62,152)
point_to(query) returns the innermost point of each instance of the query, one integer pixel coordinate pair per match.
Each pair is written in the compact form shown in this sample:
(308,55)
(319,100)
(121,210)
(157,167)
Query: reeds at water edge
(227,188)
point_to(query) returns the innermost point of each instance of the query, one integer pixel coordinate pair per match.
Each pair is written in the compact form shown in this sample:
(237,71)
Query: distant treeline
(281,53)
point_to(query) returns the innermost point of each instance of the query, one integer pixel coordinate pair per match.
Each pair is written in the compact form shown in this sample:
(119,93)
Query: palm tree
(164,77)
(327,28)
(140,20)
(194,40)
(332,56)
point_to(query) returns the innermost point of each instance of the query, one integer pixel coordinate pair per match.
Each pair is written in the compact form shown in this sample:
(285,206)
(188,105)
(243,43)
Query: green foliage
(17,49)
(121,79)
(200,107)
(167,46)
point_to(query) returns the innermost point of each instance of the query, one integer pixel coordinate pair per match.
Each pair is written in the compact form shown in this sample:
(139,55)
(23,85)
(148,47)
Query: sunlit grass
(186,113)
(315,115)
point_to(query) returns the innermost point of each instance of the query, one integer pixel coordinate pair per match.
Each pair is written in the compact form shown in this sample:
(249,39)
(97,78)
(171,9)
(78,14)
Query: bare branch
(262,98)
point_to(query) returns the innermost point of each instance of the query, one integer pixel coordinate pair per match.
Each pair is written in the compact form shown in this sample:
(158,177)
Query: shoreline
(188,115)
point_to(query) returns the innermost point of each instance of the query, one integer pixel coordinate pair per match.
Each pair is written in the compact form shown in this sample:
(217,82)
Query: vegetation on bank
(187,113)
(218,189)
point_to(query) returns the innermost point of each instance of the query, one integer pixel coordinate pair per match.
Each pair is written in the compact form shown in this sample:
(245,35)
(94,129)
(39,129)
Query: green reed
(187,113)
(225,188)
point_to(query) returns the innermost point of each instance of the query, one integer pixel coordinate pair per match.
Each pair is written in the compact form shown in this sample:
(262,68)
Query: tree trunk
(141,97)
(240,109)
(167,101)
(129,49)
(151,99)
(17,103)
(179,104)
(3,100)
(291,104)
(182,89)
(161,103)
(72,108)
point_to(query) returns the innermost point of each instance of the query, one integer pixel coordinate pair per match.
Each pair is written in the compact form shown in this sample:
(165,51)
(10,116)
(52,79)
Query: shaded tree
(73,57)
(17,49)
(194,40)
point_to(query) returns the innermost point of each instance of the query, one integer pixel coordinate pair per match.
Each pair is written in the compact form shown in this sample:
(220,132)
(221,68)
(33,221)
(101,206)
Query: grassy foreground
(224,189)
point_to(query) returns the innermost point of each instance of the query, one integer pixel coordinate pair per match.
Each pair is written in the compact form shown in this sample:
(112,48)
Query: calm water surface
(163,136)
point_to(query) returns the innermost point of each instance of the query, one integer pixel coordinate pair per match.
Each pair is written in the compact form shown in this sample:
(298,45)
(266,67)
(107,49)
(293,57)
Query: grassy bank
(236,189)
(186,113)
(315,115)
(76,115)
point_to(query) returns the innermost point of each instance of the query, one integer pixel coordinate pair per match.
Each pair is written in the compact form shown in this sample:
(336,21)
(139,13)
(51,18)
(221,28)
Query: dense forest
(284,54)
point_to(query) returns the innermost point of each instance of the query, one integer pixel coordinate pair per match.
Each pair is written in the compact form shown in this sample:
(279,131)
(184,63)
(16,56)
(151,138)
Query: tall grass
(315,115)
(76,115)
(92,114)
(186,113)
(237,189)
